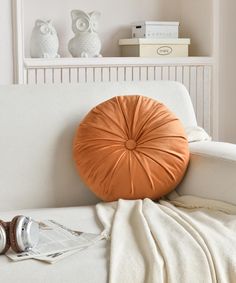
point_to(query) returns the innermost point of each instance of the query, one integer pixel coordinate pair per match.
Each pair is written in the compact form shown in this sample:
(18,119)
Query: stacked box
(144,47)
(147,29)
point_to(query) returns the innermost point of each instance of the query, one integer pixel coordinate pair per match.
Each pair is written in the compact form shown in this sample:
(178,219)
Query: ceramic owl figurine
(86,42)
(44,41)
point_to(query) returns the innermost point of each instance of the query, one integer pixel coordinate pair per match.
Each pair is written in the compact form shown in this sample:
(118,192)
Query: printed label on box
(164,50)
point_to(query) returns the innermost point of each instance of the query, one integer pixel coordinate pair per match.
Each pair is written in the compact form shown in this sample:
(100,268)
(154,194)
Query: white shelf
(115,61)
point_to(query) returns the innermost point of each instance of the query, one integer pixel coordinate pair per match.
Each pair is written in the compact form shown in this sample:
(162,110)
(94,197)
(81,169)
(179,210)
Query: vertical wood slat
(73,75)
(31,76)
(128,74)
(151,73)
(25,78)
(90,75)
(200,96)
(172,73)
(113,74)
(120,74)
(136,73)
(57,76)
(158,73)
(179,74)
(65,75)
(105,74)
(82,76)
(193,86)
(165,73)
(143,73)
(207,99)
(48,76)
(97,75)
(40,76)
(186,77)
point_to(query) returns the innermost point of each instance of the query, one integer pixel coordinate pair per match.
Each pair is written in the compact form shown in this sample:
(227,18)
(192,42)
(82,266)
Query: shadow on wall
(69,190)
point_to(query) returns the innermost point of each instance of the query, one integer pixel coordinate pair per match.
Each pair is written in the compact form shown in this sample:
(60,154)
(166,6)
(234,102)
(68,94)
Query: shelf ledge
(115,61)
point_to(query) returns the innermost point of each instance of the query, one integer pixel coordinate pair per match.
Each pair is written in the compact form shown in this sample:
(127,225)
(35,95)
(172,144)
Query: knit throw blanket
(186,240)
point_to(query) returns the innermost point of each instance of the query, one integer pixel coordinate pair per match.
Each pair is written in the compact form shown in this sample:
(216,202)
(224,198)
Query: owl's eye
(82,25)
(94,26)
(44,29)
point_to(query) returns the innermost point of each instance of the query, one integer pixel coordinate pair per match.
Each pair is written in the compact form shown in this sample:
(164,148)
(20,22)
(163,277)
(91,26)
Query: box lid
(155,23)
(143,41)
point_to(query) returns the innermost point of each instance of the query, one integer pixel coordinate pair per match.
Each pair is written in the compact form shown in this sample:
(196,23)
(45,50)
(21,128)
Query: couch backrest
(37,125)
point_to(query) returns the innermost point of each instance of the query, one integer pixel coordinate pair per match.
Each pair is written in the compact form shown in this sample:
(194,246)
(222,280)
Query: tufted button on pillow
(130,144)
(131,147)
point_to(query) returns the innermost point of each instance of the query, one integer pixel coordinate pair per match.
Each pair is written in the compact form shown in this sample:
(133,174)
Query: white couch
(37,125)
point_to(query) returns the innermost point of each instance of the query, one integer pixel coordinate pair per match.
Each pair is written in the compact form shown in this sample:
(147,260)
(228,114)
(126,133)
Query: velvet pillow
(131,147)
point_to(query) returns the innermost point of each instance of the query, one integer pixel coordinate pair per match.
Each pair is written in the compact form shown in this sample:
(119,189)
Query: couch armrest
(211,172)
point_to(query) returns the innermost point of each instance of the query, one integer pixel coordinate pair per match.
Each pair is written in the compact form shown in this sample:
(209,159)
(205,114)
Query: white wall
(227,73)
(196,17)
(6,63)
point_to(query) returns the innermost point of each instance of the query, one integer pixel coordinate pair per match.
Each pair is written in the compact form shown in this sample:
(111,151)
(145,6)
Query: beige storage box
(144,47)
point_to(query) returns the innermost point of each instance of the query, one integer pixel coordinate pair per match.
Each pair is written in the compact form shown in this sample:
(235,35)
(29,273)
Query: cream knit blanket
(186,240)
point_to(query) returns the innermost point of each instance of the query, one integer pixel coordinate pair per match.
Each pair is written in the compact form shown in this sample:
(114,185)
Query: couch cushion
(89,265)
(131,147)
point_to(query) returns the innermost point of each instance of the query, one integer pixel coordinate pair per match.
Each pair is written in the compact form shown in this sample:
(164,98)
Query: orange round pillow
(131,147)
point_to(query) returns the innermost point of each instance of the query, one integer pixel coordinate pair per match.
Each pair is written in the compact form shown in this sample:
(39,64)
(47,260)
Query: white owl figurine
(86,42)
(44,41)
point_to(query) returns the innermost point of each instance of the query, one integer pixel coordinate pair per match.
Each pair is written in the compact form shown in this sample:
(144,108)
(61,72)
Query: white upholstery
(37,125)
(211,171)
